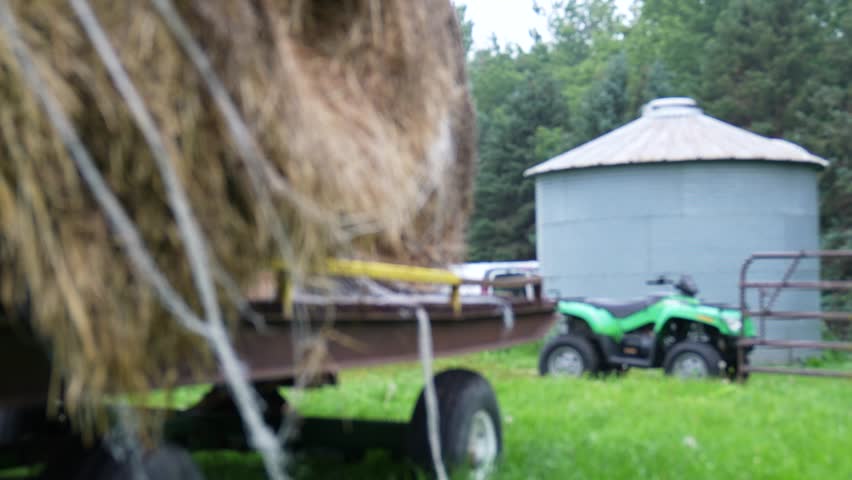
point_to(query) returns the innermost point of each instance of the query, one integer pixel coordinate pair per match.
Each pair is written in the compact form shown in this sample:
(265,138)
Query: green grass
(643,425)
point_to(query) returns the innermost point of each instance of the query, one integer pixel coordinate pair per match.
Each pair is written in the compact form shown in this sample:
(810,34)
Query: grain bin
(678,191)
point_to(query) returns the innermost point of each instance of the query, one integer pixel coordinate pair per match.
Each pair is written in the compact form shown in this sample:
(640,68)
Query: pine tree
(760,57)
(675,33)
(658,84)
(530,121)
(466,27)
(604,107)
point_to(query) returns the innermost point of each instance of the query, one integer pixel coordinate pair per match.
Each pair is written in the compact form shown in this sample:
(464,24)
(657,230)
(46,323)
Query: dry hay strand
(360,107)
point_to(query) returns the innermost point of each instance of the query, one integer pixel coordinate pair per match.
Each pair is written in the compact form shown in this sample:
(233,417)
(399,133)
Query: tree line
(780,68)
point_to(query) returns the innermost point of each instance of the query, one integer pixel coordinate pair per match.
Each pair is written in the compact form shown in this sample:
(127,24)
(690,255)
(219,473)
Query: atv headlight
(733,322)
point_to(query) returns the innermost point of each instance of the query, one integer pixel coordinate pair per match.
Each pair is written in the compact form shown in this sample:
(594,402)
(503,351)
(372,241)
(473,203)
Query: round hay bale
(360,108)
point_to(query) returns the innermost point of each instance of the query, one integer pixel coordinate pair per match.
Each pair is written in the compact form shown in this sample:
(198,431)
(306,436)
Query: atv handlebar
(661,280)
(685,285)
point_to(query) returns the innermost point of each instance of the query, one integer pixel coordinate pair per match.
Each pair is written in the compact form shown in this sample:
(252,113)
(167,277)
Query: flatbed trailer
(356,331)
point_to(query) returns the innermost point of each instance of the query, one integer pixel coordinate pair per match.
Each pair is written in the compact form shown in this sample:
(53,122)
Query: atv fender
(599,321)
(689,313)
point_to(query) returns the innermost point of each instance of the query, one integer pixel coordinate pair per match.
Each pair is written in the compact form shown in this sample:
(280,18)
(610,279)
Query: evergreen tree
(757,63)
(587,33)
(658,83)
(529,121)
(466,27)
(604,106)
(781,68)
(675,33)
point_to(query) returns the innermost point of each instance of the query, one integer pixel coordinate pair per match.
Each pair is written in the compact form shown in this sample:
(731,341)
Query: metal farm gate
(768,293)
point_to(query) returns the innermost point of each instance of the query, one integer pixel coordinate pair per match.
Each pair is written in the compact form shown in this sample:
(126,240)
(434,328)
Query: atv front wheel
(568,355)
(693,360)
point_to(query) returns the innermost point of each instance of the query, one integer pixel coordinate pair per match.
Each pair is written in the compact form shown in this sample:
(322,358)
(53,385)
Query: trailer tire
(469,424)
(579,355)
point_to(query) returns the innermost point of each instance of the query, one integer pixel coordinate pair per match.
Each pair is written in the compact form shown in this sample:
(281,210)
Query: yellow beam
(390,271)
(383,271)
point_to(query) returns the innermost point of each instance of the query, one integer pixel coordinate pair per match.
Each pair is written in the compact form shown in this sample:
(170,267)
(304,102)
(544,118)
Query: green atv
(675,331)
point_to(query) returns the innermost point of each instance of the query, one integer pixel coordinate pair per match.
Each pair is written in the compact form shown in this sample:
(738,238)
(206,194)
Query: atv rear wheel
(693,360)
(568,355)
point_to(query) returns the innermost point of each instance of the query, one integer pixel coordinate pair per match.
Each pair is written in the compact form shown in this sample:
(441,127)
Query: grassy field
(643,425)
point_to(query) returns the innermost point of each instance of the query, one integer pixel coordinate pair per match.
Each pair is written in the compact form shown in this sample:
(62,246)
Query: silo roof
(675,130)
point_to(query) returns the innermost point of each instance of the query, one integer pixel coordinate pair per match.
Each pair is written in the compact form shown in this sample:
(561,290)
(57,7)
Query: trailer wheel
(568,355)
(167,462)
(469,424)
(693,360)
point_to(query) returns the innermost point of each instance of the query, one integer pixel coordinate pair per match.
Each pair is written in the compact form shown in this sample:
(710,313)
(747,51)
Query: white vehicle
(490,271)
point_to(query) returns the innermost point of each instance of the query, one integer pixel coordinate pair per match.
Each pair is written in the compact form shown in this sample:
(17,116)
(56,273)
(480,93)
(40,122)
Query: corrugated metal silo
(678,191)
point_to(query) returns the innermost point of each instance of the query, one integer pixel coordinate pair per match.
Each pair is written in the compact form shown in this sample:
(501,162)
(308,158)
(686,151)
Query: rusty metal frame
(355,332)
(768,293)
(371,333)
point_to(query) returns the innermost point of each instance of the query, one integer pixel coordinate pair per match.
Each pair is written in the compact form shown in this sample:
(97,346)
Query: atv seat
(622,308)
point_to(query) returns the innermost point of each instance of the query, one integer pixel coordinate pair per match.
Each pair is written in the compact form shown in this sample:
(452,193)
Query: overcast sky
(510,20)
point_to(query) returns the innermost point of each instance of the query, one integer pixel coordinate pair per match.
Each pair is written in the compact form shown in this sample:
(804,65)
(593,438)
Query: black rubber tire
(591,358)
(460,394)
(711,357)
(167,462)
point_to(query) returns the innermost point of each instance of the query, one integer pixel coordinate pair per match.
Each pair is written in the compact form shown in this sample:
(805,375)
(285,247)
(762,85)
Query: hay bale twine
(360,106)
